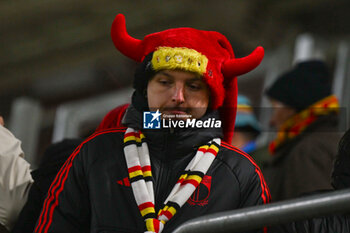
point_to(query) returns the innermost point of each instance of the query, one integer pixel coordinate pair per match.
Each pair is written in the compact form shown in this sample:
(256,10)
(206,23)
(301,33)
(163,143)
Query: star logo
(151,120)
(156,115)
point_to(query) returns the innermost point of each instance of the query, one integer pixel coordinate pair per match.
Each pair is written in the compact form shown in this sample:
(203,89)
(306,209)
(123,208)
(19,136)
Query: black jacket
(334,223)
(54,157)
(92,193)
(329,224)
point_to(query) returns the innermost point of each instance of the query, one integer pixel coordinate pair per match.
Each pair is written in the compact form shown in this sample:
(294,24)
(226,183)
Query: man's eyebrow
(197,78)
(165,74)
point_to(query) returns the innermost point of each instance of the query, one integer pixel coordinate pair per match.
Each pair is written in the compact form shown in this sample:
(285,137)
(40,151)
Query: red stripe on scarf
(180,180)
(156,223)
(191,181)
(146,205)
(130,134)
(146,168)
(202,150)
(134,168)
(167,214)
(210,150)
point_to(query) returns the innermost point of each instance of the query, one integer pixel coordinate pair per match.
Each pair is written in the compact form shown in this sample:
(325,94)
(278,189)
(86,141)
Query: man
(339,223)
(138,180)
(15,178)
(305,116)
(247,130)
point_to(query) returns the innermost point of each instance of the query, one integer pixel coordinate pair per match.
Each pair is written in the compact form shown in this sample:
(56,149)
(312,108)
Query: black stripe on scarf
(150,215)
(140,177)
(136,178)
(133,142)
(214,143)
(148,178)
(173,204)
(198,173)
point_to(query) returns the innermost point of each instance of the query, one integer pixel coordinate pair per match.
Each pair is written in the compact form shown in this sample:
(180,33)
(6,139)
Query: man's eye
(194,86)
(164,82)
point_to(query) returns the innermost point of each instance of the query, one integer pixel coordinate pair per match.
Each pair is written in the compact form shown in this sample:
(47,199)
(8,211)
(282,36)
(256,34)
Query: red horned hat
(208,53)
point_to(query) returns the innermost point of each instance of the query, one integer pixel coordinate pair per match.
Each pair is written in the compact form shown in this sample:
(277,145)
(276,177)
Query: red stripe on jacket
(48,208)
(265,189)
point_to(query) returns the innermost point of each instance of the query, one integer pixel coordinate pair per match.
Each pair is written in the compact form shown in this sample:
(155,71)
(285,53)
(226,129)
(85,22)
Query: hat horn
(239,66)
(126,44)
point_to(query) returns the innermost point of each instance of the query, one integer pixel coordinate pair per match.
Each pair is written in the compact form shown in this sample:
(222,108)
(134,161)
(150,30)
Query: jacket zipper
(163,179)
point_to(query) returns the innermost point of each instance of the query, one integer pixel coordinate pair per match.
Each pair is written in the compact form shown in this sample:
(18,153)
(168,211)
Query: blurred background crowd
(58,66)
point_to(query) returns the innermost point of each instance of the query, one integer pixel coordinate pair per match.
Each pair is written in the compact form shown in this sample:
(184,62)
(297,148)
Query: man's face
(176,92)
(280,113)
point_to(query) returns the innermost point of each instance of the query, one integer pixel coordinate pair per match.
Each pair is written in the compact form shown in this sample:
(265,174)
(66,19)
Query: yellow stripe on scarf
(195,177)
(147,211)
(171,209)
(149,225)
(147,173)
(184,176)
(214,147)
(130,138)
(135,173)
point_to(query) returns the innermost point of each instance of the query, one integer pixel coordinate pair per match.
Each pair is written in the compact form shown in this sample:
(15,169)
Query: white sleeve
(15,178)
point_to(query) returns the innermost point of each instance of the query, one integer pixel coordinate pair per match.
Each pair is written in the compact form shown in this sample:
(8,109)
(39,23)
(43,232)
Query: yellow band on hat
(179,58)
(243,108)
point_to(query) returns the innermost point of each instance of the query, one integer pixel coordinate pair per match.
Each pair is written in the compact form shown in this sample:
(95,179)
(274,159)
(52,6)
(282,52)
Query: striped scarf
(140,175)
(299,122)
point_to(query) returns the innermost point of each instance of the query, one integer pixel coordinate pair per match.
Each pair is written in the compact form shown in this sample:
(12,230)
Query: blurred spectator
(15,178)
(53,159)
(306,117)
(339,223)
(247,128)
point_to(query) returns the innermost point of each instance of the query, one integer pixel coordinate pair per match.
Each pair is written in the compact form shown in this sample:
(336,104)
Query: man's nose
(178,95)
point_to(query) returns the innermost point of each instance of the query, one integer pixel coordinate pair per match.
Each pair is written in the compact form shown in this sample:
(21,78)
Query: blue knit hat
(245,115)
